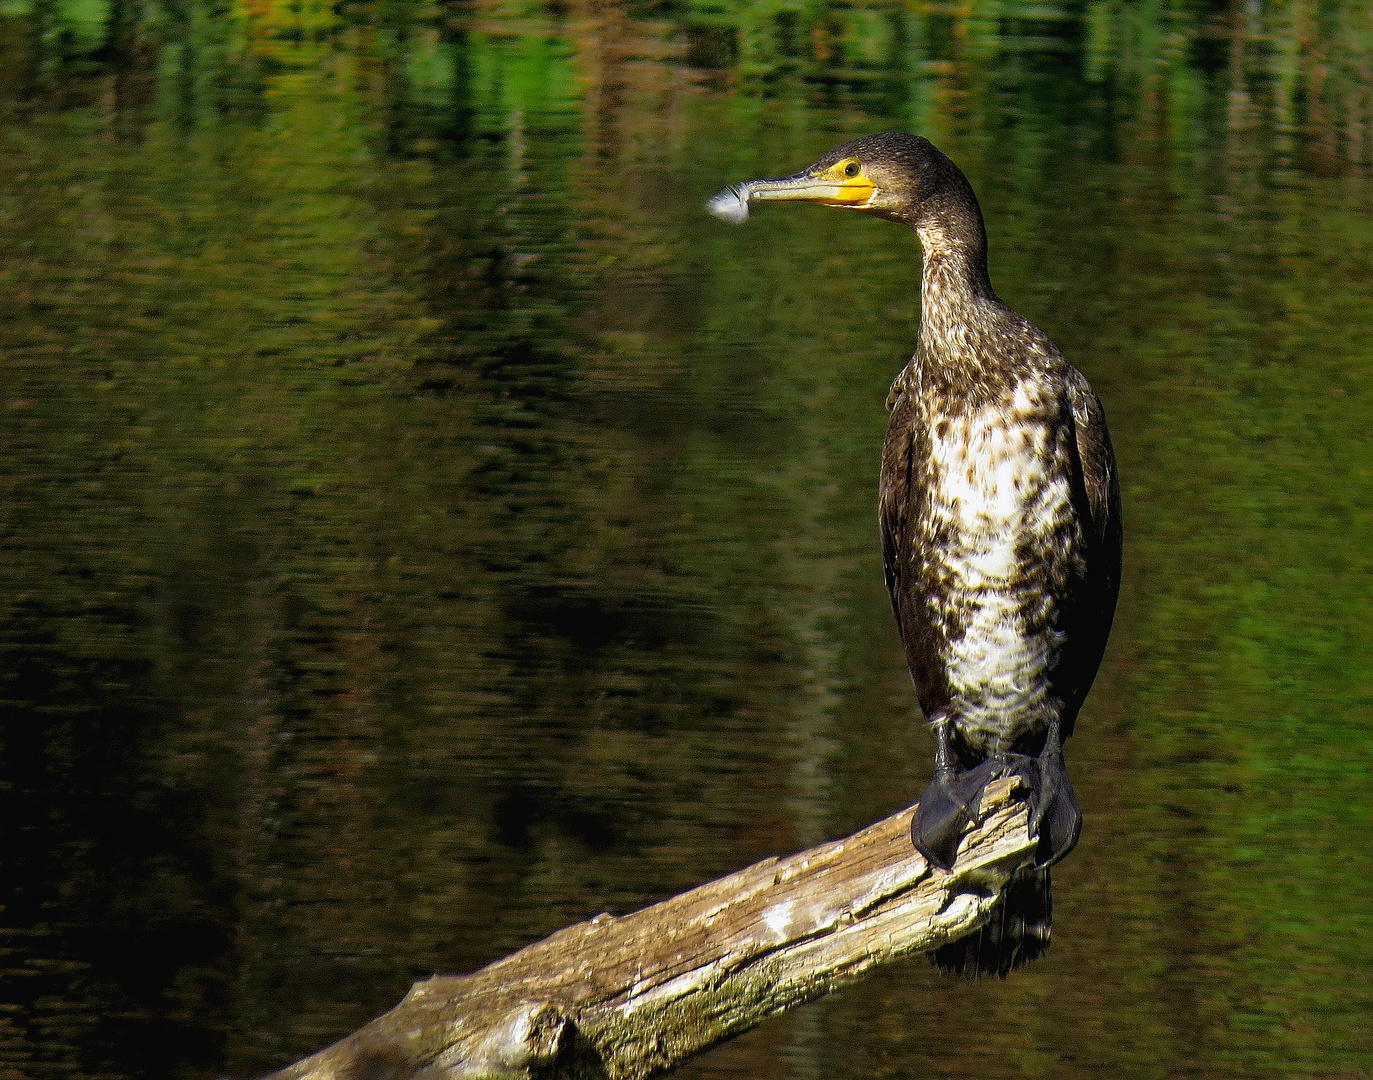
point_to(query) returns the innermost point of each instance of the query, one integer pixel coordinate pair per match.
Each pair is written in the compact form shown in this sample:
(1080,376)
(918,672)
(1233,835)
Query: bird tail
(1016,933)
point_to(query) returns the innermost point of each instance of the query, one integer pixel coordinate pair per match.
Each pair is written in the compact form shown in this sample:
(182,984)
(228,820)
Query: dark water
(423,527)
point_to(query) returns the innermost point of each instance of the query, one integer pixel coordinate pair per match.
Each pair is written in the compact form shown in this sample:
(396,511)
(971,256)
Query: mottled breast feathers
(1001,543)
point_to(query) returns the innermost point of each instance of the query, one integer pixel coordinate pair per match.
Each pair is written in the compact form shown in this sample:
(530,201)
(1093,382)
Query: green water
(421,526)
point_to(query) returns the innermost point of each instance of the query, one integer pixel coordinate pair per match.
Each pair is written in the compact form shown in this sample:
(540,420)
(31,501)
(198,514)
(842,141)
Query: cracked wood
(626,998)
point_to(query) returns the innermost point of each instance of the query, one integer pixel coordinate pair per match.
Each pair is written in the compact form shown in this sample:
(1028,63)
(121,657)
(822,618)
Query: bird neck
(957,304)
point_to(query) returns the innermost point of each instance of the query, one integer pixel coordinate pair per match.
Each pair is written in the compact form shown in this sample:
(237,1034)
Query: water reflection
(424,527)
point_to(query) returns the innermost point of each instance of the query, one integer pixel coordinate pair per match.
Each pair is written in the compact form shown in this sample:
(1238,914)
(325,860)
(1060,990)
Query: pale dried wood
(632,997)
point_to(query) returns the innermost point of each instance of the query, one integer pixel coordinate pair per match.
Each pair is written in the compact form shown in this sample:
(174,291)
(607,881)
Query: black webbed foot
(952,802)
(949,806)
(1054,813)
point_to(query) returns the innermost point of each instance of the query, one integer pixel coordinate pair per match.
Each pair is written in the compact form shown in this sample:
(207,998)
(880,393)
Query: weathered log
(632,997)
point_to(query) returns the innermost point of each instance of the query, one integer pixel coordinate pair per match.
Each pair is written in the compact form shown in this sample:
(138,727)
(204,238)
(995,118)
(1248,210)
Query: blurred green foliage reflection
(422,527)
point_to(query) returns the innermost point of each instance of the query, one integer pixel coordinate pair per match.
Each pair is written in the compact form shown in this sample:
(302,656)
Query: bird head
(891,175)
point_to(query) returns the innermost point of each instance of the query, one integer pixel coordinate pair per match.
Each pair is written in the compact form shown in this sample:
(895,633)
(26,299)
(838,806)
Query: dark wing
(894,495)
(1099,499)
(901,502)
(1098,472)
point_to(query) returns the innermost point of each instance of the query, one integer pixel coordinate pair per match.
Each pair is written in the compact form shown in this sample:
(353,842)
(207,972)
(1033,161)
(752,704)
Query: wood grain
(632,997)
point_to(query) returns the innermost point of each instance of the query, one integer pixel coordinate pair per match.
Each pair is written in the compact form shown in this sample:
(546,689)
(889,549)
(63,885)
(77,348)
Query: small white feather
(730,205)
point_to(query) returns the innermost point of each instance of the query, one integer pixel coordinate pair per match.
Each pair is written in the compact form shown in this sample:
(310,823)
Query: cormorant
(1000,515)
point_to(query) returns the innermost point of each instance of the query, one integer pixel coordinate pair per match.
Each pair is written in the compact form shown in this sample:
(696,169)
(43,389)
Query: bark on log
(632,997)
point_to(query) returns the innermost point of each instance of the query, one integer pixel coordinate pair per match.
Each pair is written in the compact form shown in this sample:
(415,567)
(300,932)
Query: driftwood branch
(632,997)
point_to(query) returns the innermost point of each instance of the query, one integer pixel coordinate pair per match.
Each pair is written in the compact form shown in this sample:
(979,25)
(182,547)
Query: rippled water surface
(421,526)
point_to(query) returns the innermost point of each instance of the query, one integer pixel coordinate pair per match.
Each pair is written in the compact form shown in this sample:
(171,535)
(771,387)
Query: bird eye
(851,169)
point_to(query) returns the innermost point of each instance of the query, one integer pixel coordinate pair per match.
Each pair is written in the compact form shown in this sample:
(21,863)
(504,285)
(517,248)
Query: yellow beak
(831,188)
